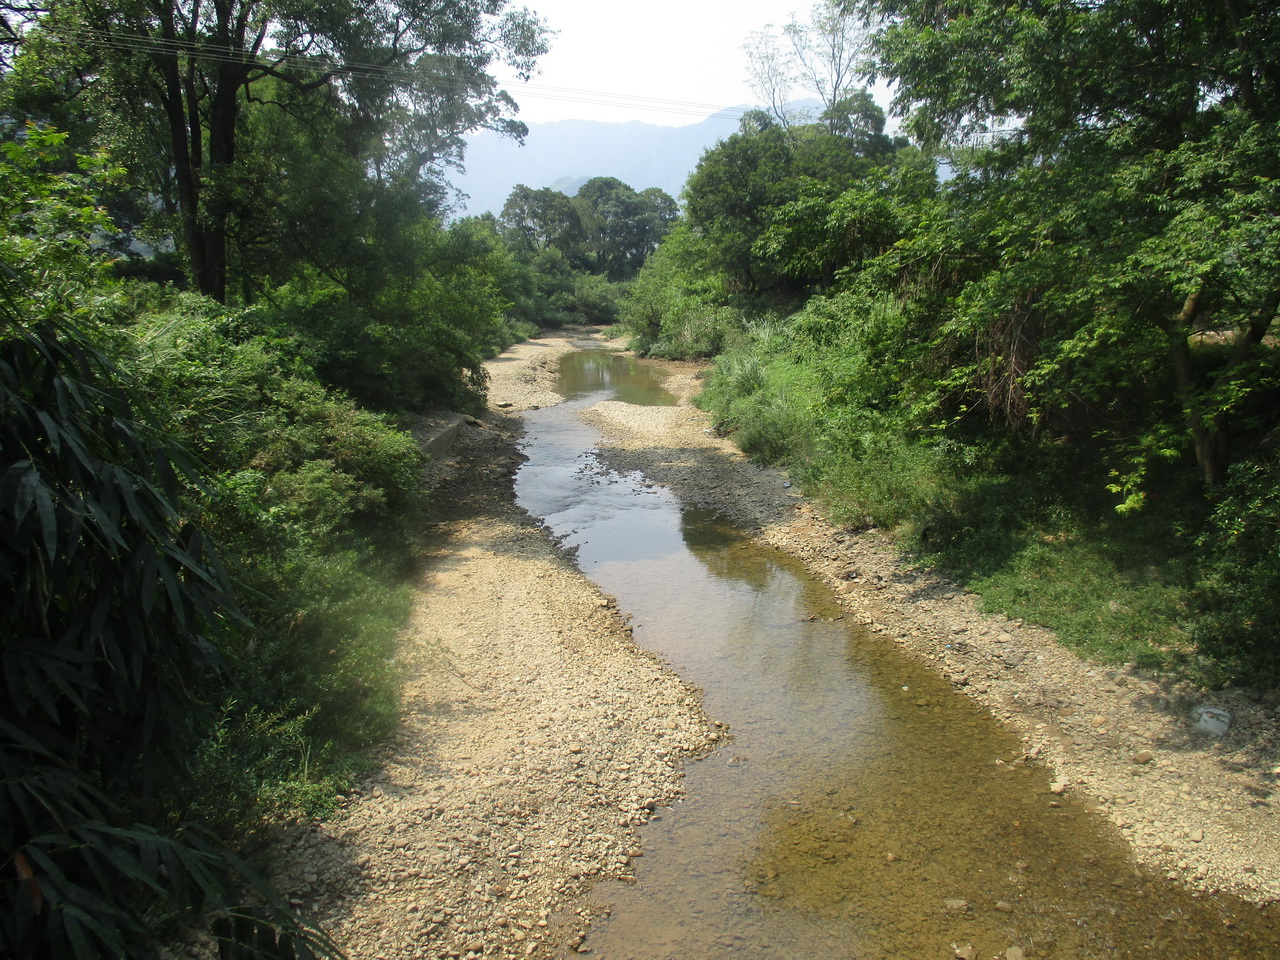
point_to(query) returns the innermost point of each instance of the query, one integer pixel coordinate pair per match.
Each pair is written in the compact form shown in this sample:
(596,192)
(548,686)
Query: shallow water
(860,808)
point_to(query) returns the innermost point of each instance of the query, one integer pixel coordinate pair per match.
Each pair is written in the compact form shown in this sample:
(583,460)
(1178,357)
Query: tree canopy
(167,85)
(606,227)
(1090,289)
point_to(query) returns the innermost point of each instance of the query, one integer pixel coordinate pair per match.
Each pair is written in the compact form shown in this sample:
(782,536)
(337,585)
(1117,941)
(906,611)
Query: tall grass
(818,394)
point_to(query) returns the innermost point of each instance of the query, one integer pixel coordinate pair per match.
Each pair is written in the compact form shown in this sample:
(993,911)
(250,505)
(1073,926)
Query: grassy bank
(1033,528)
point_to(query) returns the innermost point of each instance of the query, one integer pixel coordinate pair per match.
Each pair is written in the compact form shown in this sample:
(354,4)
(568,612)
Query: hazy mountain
(566,153)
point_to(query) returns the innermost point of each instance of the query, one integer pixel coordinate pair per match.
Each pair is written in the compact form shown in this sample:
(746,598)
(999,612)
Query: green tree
(1127,209)
(168,82)
(538,219)
(741,185)
(731,194)
(622,227)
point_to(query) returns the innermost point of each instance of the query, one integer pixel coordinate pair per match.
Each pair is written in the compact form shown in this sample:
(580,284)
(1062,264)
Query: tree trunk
(1207,439)
(202,166)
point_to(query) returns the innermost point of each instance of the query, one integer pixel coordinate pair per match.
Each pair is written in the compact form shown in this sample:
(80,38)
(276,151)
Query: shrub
(677,307)
(308,495)
(1239,619)
(115,602)
(593,300)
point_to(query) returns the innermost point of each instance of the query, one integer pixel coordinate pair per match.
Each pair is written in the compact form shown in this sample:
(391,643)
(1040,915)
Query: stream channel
(860,807)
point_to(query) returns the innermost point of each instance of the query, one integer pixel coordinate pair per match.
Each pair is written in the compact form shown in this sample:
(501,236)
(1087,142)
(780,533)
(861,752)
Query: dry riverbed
(537,737)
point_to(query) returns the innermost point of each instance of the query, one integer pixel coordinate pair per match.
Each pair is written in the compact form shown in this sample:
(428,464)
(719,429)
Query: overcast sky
(660,61)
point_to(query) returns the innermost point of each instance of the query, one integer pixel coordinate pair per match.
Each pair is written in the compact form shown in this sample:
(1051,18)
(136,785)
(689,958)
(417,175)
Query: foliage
(51,217)
(166,85)
(607,228)
(621,227)
(748,186)
(761,397)
(539,285)
(1241,572)
(116,601)
(570,257)
(1091,292)
(593,300)
(538,219)
(147,713)
(308,494)
(413,331)
(675,307)
(829,394)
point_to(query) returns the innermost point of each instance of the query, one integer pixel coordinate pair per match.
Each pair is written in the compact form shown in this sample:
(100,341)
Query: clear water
(860,807)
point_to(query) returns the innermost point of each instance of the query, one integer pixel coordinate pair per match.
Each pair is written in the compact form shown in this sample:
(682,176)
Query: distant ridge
(565,153)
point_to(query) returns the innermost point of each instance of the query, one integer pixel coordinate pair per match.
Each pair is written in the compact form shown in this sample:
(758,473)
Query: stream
(860,807)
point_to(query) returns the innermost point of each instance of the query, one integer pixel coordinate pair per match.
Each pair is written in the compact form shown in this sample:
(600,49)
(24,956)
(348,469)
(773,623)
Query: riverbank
(490,814)
(536,735)
(1199,808)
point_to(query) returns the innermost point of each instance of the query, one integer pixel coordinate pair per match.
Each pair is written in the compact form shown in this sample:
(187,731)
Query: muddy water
(858,808)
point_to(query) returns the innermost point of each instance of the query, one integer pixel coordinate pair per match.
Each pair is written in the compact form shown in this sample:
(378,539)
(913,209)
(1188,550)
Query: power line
(151,45)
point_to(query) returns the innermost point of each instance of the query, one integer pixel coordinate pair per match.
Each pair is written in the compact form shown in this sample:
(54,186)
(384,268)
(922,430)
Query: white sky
(660,61)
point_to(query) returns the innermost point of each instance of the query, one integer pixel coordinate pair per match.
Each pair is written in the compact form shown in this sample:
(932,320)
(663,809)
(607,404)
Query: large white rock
(1211,720)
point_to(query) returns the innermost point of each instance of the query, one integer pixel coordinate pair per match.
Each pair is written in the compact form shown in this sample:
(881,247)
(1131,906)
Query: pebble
(547,738)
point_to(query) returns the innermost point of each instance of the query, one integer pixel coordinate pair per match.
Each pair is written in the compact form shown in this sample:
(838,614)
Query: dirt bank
(537,736)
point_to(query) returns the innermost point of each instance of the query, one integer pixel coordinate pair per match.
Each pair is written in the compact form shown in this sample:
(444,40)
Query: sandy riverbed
(488,815)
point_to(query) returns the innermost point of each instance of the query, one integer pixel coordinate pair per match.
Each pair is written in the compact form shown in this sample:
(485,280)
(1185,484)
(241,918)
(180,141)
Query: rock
(1211,720)
(1015,953)
(955,905)
(1143,756)
(966,952)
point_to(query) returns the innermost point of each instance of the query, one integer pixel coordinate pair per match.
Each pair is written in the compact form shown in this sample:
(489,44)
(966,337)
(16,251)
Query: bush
(309,496)
(1239,618)
(760,394)
(397,353)
(115,601)
(677,307)
(593,300)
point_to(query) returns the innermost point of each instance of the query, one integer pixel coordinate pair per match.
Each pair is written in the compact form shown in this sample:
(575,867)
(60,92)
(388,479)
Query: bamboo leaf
(48,521)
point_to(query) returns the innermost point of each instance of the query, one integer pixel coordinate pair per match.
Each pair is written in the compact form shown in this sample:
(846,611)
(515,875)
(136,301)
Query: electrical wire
(151,45)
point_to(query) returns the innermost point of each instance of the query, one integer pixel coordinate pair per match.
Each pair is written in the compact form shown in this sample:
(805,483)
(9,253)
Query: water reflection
(861,808)
(587,372)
